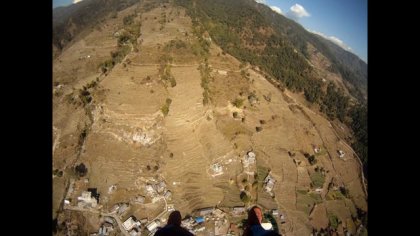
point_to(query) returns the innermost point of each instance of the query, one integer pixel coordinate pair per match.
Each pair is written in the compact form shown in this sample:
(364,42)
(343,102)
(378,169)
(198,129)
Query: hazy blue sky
(58,3)
(342,21)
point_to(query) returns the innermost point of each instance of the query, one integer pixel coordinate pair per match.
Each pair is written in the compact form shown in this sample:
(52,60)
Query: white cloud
(276,9)
(339,42)
(298,11)
(76,1)
(335,40)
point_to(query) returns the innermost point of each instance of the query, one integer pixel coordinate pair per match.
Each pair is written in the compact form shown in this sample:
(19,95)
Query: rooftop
(152,226)
(130,224)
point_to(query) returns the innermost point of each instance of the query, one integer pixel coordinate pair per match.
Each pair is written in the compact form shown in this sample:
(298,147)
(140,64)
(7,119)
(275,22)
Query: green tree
(245,197)
(238,102)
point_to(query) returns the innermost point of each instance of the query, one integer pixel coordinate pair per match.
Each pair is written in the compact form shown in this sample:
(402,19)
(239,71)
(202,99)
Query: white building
(171,207)
(87,200)
(161,187)
(105,229)
(123,207)
(249,159)
(109,220)
(112,189)
(217,169)
(251,156)
(341,153)
(130,224)
(269,183)
(218,213)
(152,226)
(133,232)
(150,189)
(168,194)
(205,211)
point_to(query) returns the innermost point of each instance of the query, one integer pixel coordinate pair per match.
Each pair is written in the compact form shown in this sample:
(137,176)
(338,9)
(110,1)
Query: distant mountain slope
(348,59)
(69,21)
(351,67)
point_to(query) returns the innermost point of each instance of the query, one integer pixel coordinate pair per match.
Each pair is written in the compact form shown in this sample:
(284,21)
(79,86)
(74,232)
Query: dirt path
(56,142)
(172,65)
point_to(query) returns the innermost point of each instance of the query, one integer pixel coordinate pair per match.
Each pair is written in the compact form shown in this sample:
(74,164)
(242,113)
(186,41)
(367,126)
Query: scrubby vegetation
(165,107)
(58,173)
(238,102)
(245,197)
(126,39)
(311,158)
(318,179)
(358,124)
(261,174)
(165,70)
(81,170)
(175,44)
(205,79)
(334,195)
(85,96)
(305,200)
(333,221)
(334,103)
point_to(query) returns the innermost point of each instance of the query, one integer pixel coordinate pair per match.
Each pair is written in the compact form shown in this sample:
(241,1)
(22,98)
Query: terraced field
(194,141)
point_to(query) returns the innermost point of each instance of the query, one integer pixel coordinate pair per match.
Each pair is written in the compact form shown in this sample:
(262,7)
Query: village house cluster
(206,221)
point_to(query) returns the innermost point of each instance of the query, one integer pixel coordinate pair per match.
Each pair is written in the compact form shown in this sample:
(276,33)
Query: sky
(342,21)
(58,3)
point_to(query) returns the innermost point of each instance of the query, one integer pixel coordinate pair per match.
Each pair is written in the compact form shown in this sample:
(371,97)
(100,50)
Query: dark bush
(81,170)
